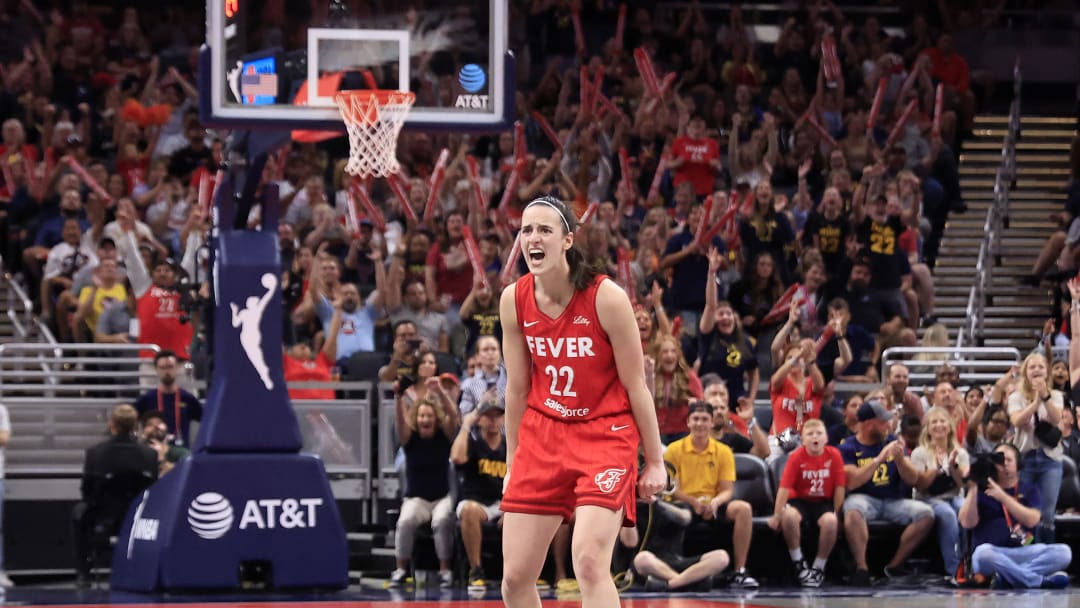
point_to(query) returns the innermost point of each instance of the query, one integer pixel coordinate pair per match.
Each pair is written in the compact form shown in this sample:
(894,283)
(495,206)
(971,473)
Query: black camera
(984,468)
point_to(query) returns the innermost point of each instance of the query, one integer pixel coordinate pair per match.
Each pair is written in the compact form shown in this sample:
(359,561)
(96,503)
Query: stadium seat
(446,362)
(763,415)
(753,485)
(1067,524)
(1069,497)
(776,469)
(364,366)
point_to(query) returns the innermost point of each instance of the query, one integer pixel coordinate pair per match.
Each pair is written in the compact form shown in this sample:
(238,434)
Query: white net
(373,120)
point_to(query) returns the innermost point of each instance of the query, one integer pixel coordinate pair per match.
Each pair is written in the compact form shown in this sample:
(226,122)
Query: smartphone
(413,343)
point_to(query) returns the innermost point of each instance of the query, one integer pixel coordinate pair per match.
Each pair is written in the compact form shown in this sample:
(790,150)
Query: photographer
(1001,512)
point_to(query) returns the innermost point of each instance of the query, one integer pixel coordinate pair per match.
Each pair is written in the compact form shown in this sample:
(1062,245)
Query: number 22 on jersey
(556,375)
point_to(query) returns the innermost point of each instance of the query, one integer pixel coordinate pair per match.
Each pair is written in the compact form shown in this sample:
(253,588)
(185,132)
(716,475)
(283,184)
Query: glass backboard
(278,64)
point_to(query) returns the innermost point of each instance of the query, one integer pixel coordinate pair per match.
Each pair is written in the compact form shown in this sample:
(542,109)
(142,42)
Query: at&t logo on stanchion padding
(246,509)
(210,515)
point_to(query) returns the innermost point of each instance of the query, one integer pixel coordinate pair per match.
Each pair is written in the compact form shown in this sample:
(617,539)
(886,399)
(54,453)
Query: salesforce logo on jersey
(211,515)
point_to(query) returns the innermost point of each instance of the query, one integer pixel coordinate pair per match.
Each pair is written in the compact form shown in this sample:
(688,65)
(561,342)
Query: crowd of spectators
(830,208)
(824,199)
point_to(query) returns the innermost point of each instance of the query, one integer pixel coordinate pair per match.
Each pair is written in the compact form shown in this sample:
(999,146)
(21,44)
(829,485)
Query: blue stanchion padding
(246,507)
(247,409)
(196,526)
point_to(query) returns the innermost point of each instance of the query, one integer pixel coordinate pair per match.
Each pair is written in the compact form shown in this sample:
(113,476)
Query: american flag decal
(258,84)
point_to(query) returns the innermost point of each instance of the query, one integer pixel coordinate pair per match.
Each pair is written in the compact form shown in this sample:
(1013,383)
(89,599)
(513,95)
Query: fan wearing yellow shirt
(705,469)
(93,298)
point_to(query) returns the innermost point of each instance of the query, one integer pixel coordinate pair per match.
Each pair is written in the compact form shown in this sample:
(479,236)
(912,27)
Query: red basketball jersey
(814,478)
(574,377)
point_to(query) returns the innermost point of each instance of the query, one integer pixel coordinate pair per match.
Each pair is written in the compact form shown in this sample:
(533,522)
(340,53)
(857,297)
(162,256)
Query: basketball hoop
(373,120)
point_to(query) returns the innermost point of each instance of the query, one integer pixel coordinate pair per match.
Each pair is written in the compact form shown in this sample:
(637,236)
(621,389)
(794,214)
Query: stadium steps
(1015,312)
(990,121)
(369,554)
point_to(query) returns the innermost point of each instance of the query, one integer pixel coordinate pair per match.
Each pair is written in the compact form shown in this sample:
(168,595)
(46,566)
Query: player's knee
(514,582)
(591,568)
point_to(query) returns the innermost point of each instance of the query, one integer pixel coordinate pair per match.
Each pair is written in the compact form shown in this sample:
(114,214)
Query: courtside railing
(971,331)
(21,320)
(977,365)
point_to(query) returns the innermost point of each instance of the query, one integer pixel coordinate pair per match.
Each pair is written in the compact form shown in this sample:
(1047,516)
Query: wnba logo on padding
(472,77)
(607,480)
(210,515)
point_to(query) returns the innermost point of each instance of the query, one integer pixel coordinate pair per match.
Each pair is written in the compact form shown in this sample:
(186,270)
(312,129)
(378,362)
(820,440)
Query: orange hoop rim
(356,105)
(383,96)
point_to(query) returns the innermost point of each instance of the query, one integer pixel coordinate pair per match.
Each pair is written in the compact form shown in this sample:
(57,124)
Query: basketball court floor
(908,596)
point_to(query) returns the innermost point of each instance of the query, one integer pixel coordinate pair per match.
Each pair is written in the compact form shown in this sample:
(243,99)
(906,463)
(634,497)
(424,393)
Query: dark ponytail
(582,273)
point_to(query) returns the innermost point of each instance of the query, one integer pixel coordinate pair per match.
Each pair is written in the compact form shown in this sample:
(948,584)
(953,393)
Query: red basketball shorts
(560,466)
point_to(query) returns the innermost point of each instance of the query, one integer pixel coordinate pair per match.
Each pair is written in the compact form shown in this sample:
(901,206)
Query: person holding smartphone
(405,355)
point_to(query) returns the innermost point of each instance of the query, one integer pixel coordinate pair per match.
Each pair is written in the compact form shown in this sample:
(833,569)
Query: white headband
(541,201)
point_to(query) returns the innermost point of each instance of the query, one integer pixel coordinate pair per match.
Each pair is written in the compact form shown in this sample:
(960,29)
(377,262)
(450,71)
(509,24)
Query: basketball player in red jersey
(157,302)
(575,413)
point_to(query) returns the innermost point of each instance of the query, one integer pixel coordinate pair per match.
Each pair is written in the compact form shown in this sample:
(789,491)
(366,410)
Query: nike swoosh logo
(619,428)
(530,323)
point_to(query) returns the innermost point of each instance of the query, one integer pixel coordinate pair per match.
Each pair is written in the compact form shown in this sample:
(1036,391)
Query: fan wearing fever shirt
(796,389)
(812,489)
(157,302)
(695,158)
(302,364)
(575,413)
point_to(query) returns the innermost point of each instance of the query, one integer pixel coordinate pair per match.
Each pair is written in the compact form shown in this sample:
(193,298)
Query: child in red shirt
(813,486)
